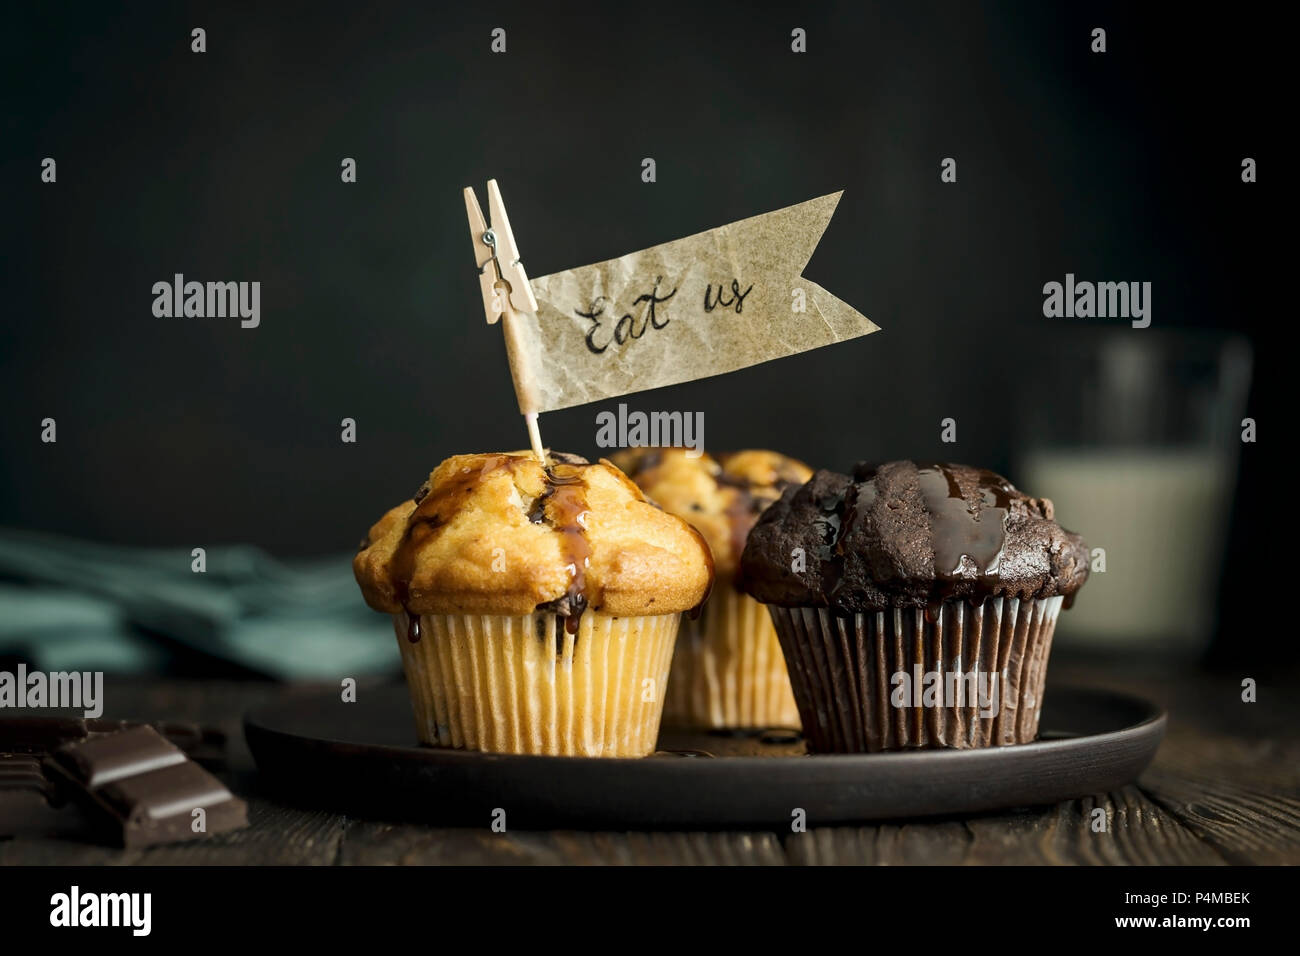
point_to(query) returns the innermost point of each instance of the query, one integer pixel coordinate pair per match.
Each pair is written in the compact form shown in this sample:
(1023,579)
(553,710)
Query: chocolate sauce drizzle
(964,534)
(564,507)
(433,510)
(972,533)
(837,528)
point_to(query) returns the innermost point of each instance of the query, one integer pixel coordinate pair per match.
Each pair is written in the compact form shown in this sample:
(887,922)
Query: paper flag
(714,302)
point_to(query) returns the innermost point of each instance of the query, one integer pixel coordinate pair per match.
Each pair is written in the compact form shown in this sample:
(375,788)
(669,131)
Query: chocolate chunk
(29,803)
(139,789)
(204,745)
(537,512)
(43,735)
(102,759)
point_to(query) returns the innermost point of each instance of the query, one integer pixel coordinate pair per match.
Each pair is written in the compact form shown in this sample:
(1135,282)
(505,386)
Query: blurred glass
(1134,435)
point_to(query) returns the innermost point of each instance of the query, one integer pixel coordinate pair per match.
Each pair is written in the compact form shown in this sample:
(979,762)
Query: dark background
(225,166)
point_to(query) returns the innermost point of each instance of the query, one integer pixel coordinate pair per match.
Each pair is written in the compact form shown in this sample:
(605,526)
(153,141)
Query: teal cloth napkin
(75,605)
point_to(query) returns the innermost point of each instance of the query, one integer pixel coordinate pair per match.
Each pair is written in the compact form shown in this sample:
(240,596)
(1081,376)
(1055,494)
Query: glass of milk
(1134,435)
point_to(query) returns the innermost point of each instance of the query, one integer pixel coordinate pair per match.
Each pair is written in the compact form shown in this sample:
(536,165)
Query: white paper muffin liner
(728,669)
(523,685)
(843,667)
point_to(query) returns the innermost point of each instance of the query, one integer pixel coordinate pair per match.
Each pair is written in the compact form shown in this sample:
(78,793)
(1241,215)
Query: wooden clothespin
(506,293)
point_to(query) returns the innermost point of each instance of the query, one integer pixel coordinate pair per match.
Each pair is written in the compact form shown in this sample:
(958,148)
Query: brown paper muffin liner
(523,685)
(843,669)
(728,670)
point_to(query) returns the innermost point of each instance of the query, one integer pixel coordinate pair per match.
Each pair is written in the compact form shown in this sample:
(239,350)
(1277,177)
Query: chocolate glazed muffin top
(907,535)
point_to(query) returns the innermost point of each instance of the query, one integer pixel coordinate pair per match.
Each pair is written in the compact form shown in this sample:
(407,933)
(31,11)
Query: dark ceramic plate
(360,757)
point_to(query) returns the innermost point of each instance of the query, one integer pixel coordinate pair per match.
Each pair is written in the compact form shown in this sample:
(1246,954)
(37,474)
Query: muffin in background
(901,571)
(727,670)
(535,606)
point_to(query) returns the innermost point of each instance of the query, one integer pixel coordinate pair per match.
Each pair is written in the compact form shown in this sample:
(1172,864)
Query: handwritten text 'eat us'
(606,330)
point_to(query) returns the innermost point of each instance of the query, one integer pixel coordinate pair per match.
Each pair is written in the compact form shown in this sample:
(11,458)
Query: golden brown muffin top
(722,495)
(503,534)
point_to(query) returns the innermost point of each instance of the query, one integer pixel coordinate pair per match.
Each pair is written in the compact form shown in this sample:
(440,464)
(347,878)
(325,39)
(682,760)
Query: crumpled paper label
(710,303)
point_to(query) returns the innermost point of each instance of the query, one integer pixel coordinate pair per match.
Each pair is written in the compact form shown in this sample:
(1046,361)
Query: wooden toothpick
(535,437)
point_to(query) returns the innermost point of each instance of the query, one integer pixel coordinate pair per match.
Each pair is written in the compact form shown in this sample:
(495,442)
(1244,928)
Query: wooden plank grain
(370,844)
(275,835)
(1240,796)
(940,843)
(1137,831)
(61,851)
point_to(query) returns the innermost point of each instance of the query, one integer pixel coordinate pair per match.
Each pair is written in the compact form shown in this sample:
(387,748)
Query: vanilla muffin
(915,604)
(535,606)
(727,670)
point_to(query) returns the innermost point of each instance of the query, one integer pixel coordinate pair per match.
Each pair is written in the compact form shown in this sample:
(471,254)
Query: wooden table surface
(1224,789)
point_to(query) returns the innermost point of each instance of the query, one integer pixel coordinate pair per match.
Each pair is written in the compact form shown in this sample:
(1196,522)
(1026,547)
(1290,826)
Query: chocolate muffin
(727,669)
(915,604)
(536,606)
